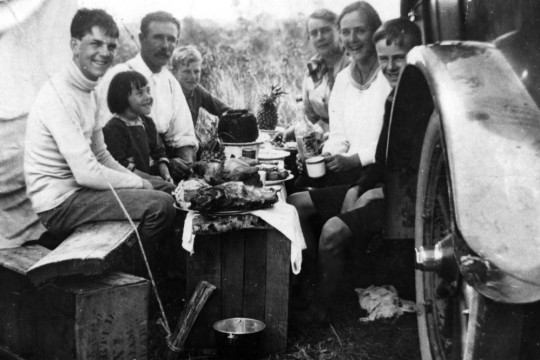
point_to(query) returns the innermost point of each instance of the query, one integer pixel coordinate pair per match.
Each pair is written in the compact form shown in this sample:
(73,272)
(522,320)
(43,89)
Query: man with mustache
(159,36)
(68,171)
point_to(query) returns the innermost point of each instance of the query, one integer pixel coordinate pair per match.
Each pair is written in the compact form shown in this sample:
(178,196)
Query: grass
(346,338)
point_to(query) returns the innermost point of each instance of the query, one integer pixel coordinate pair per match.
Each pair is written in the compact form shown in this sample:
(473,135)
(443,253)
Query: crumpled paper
(382,302)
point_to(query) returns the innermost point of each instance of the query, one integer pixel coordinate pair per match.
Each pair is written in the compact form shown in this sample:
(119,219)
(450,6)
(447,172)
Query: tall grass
(241,62)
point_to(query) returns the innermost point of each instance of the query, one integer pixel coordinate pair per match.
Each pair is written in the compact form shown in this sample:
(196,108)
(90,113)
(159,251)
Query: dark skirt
(303,182)
(328,200)
(328,203)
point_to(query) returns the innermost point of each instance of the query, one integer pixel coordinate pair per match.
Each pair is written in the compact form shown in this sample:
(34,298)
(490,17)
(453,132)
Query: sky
(223,11)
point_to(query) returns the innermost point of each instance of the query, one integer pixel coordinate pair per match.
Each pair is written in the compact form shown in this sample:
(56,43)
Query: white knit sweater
(64,147)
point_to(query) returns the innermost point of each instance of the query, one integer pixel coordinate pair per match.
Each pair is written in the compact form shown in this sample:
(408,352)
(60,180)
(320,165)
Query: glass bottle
(305,134)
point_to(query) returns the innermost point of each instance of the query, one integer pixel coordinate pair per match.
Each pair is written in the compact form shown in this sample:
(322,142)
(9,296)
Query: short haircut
(324,14)
(85,19)
(185,55)
(401,32)
(374,20)
(120,88)
(158,16)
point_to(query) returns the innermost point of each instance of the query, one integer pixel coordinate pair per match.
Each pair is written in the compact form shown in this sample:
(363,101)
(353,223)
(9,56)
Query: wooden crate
(98,317)
(250,269)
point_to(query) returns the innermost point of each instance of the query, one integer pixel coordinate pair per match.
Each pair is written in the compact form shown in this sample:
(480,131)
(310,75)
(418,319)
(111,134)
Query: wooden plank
(278,250)
(205,264)
(8,355)
(89,250)
(232,276)
(105,322)
(55,324)
(113,323)
(17,297)
(20,259)
(187,318)
(17,323)
(255,274)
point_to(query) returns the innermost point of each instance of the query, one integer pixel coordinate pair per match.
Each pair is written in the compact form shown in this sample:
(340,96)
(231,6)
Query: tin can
(249,153)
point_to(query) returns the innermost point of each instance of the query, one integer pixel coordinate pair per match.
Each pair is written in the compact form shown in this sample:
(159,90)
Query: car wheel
(454,321)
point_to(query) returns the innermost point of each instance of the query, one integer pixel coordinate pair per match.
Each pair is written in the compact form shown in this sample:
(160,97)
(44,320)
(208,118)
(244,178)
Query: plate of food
(232,197)
(290,145)
(279,181)
(273,155)
(184,206)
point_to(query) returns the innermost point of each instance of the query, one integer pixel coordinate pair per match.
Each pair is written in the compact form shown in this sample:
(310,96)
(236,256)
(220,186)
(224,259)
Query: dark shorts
(328,200)
(328,203)
(367,219)
(304,182)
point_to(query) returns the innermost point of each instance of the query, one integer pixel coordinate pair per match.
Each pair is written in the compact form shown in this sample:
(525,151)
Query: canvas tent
(34,43)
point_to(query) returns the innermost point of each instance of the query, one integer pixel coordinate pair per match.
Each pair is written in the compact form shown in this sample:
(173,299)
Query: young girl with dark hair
(131,135)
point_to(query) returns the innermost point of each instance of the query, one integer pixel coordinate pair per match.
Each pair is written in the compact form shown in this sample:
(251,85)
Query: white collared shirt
(356,116)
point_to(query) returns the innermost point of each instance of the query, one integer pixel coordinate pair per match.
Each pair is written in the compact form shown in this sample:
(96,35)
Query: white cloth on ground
(282,216)
(382,302)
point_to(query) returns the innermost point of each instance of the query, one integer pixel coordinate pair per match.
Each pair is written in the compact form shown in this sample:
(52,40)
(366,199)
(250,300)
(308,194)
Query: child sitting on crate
(131,136)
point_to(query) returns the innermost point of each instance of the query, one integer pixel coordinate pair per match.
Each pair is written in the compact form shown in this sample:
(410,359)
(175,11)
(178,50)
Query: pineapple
(267,117)
(212,149)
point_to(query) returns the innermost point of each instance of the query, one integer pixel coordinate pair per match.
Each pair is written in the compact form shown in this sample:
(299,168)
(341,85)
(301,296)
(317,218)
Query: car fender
(491,128)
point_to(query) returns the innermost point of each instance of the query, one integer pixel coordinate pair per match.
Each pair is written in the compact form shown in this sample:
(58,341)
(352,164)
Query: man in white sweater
(159,35)
(69,172)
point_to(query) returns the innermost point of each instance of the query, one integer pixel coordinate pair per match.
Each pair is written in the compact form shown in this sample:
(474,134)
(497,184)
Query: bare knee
(335,236)
(303,204)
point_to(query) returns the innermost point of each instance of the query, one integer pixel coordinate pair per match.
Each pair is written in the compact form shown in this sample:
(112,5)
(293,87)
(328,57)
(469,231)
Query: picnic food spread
(233,184)
(233,195)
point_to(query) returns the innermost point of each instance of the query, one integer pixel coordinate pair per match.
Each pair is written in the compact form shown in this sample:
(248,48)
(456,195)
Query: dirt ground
(345,337)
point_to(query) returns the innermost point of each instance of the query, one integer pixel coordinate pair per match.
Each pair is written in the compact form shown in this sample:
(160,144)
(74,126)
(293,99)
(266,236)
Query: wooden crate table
(250,268)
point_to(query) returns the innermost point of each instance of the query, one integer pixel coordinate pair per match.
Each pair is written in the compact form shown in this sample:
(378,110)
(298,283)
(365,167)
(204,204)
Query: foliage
(243,60)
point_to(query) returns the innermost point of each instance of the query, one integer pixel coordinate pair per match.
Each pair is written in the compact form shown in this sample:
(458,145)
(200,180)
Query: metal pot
(238,338)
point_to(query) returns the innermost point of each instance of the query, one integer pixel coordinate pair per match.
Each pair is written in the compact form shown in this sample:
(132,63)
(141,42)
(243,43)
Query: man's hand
(179,169)
(147,185)
(164,172)
(340,163)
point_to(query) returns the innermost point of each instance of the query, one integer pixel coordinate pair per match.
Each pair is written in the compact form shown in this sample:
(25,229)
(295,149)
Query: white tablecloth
(282,216)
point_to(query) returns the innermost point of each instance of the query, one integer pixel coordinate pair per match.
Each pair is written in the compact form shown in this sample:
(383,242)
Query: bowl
(247,150)
(238,338)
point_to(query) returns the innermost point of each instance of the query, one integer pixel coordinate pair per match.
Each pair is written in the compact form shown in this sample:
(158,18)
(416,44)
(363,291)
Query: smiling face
(189,75)
(158,44)
(94,53)
(140,101)
(391,60)
(323,36)
(356,36)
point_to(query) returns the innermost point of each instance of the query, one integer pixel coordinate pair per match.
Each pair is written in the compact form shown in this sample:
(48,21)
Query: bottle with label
(305,134)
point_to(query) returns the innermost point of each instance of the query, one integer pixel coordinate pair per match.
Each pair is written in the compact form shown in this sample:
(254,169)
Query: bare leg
(333,244)
(308,216)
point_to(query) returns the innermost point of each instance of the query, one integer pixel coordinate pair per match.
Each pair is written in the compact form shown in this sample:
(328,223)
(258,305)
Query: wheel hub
(439,258)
